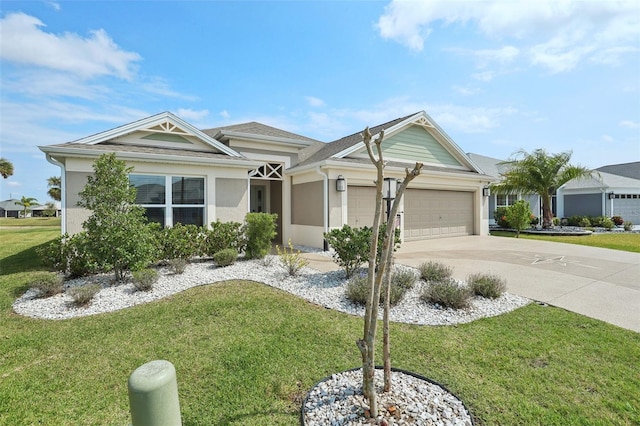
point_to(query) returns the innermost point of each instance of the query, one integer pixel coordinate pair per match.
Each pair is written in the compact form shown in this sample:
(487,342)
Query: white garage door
(628,208)
(361,206)
(430,213)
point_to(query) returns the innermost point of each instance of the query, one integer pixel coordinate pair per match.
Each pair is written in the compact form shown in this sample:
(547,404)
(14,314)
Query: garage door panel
(432,214)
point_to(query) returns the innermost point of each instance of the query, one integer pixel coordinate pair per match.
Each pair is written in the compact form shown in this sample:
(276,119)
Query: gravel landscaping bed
(325,289)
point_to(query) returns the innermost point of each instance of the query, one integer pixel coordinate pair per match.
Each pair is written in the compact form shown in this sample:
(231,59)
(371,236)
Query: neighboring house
(188,175)
(9,208)
(38,211)
(494,168)
(614,191)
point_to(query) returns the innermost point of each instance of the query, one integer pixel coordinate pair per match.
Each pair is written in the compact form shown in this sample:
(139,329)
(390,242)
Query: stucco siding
(306,204)
(75,215)
(416,144)
(583,205)
(231,199)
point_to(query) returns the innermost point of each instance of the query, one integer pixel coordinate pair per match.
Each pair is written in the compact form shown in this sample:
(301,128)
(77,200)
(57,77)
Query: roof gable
(630,170)
(163,130)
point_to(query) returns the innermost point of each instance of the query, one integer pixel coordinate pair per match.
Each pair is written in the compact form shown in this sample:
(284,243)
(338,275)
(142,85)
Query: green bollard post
(153,395)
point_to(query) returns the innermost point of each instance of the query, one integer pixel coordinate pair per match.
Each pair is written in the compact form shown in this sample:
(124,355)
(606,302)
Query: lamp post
(389,189)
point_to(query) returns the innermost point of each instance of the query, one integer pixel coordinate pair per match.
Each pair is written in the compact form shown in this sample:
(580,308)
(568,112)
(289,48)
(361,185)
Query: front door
(258,198)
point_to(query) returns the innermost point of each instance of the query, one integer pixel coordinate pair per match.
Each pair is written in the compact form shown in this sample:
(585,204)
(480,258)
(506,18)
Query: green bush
(556,221)
(446,293)
(144,279)
(605,222)
(181,241)
(224,235)
(628,226)
(46,283)
(291,260)
(352,246)
(260,231)
(434,271)
(403,278)
(584,222)
(83,295)
(357,290)
(519,216)
(486,285)
(70,255)
(177,265)
(225,257)
(500,216)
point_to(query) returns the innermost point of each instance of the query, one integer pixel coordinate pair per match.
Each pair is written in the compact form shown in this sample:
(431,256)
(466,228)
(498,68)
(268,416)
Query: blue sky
(497,76)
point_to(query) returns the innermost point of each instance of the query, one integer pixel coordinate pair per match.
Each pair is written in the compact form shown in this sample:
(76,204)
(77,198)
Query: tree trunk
(547,214)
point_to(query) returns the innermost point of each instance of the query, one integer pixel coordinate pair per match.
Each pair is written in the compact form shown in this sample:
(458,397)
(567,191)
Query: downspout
(325,205)
(63,192)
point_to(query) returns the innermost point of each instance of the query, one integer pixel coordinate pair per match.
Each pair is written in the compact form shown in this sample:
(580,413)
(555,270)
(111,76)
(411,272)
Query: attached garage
(627,206)
(427,213)
(431,213)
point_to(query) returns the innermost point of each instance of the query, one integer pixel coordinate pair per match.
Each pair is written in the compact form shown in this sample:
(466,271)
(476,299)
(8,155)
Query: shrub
(434,271)
(500,216)
(628,226)
(617,220)
(357,290)
(446,293)
(606,223)
(225,257)
(144,279)
(351,247)
(291,260)
(519,216)
(556,221)
(487,285)
(260,232)
(83,295)
(181,241)
(224,235)
(46,283)
(403,278)
(535,220)
(177,265)
(584,222)
(70,255)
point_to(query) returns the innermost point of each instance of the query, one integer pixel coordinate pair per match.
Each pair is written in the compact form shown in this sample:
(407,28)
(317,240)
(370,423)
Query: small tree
(6,168)
(117,230)
(376,276)
(519,216)
(26,203)
(54,183)
(260,232)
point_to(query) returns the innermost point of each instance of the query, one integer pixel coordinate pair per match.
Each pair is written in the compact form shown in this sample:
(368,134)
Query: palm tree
(26,202)
(6,168)
(539,173)
(54,184)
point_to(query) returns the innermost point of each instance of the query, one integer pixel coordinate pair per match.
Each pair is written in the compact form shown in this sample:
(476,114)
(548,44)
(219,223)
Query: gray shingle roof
(489,165)
(630,170)
(332,148)
(259,129)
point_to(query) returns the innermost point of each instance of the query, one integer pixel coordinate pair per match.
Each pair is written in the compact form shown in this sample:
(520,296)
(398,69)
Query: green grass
(246,353)
(618,241)
(30,221)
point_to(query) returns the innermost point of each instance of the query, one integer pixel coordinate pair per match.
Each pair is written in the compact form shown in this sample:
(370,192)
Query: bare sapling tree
(376,276)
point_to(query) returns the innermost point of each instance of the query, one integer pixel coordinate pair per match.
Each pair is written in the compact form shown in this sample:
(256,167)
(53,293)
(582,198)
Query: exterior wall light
(341,184)
(612,195)
(486,191)
(389,188)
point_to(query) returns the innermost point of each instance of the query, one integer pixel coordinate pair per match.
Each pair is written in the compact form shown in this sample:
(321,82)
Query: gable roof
(164,122)
(603,181)
(489,165)
(630,170)
(252,129)
(341,149)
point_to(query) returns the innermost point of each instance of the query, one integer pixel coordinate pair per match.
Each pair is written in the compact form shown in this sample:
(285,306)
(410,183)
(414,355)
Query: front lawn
(625,241)
(30,221)
(245,354)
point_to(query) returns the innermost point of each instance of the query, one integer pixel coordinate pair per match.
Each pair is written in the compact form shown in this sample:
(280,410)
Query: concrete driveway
(599,283)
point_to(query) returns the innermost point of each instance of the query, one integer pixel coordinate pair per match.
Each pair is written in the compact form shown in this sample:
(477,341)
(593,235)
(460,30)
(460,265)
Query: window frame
(168,206)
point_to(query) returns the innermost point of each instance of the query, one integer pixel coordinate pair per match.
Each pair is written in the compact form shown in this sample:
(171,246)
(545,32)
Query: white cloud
(314,102)
(467,119)
(225,114)
(485,57)
(559,34)
(24,42)
(160,86)
(467,91)
(607,139)
(54,5)
(629,124)
(191,115)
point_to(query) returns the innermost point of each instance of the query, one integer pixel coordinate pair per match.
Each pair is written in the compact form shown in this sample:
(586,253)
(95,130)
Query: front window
(506,200)
(170,199)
